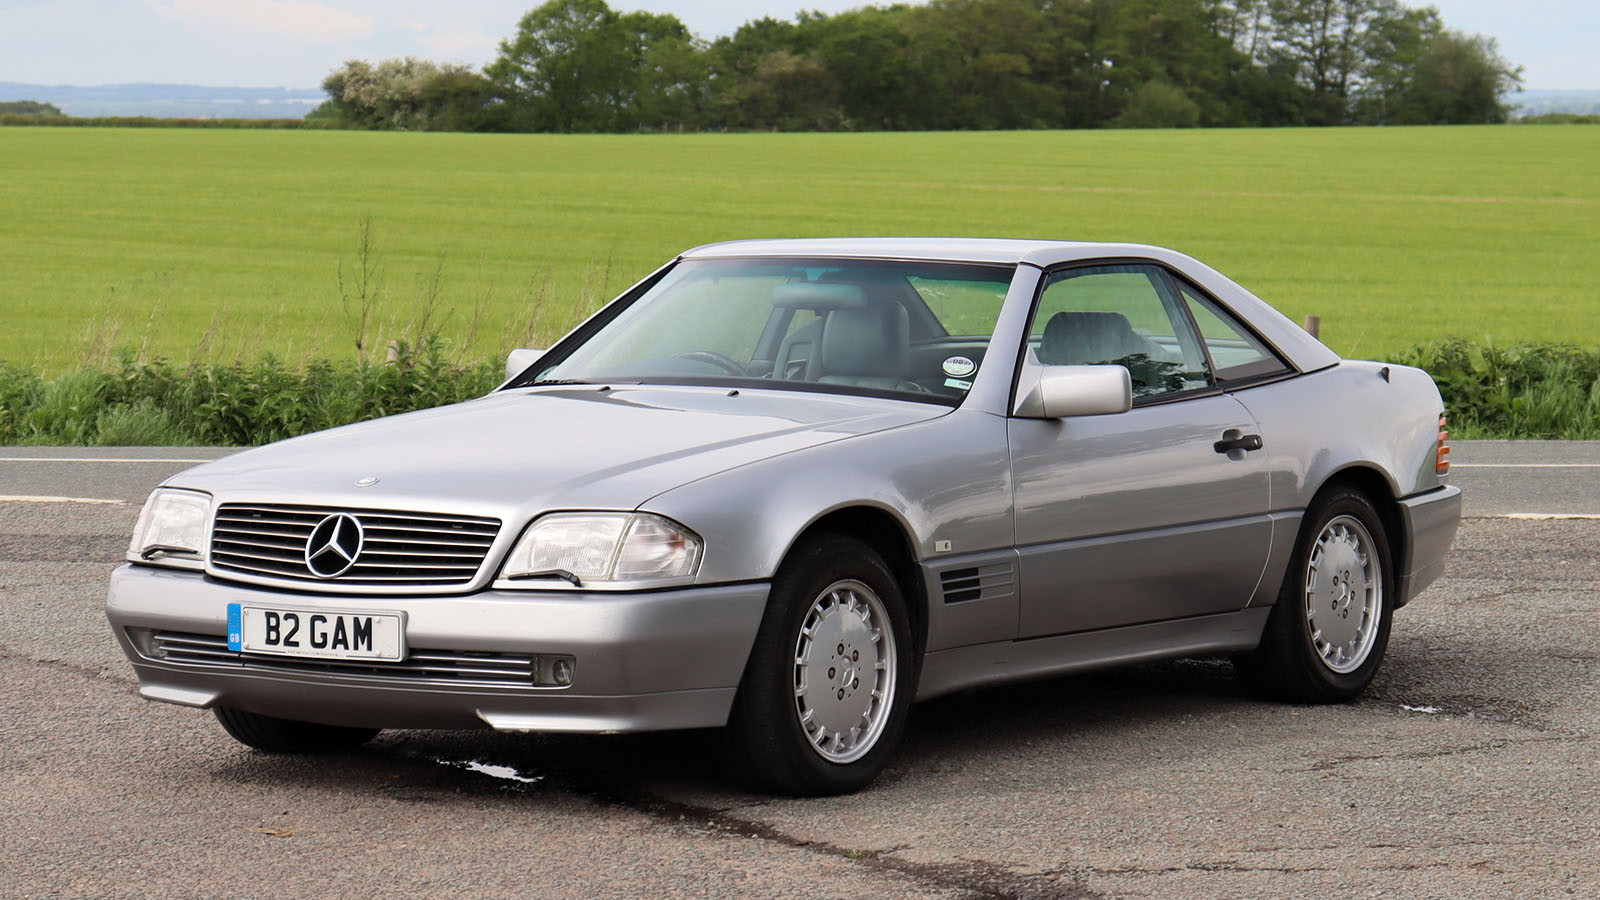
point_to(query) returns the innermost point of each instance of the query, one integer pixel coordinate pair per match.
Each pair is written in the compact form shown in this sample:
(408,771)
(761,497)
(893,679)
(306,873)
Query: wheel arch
(886,533)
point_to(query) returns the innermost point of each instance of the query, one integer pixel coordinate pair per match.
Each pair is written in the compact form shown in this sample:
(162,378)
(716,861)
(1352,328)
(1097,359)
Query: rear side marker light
(1441,456)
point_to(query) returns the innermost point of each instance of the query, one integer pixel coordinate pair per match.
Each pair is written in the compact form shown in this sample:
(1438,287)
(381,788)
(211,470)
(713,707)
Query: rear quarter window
(1236,354)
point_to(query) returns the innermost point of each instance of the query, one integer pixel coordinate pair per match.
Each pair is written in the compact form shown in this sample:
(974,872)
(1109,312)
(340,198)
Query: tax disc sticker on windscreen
(959,367)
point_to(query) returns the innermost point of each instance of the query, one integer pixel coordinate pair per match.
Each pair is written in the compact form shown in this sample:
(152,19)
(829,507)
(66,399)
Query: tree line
(30,108)
(581,66)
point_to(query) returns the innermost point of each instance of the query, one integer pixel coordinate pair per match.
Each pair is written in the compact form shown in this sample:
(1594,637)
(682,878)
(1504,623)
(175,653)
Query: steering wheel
(726,363)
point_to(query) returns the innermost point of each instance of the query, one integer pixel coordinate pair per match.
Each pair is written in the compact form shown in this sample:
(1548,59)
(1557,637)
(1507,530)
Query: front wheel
(831,674)
(1326,635)
(275,735)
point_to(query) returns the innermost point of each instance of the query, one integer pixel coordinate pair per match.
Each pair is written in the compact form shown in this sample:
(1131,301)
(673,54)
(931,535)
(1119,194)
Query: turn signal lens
(656,548)
(1441,456)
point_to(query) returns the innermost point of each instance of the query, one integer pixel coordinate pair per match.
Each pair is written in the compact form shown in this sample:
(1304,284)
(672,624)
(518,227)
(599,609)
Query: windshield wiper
(164,550)
(562,574)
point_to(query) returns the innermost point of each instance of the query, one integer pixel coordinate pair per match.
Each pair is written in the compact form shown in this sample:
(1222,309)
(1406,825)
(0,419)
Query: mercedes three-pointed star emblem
(334,545)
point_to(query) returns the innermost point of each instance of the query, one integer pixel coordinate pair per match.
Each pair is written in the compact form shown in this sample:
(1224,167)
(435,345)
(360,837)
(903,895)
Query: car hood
(528,450)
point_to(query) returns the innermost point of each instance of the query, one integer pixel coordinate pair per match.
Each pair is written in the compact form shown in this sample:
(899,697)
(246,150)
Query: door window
(1123,315)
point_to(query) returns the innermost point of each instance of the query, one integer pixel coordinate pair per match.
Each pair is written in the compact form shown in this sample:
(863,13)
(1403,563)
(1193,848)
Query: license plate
(316,632)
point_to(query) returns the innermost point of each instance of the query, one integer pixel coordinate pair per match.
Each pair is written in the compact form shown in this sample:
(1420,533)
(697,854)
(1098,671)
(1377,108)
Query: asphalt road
(1470,769)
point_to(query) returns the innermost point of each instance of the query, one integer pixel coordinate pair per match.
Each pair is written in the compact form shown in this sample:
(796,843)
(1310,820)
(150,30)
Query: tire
(1327,633)
(275,735)
(813,717)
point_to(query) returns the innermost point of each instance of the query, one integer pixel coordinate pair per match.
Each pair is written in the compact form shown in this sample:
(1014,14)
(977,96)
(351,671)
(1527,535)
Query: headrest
(1089,338)
(873,341)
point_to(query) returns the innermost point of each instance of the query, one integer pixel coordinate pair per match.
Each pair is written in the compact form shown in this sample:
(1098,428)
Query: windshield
(903,327)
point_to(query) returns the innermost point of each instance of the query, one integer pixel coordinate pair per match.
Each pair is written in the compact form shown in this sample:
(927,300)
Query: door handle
(1242,442)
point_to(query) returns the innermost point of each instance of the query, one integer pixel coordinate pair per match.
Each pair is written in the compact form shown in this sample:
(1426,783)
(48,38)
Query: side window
(1235,352)
(1120,315)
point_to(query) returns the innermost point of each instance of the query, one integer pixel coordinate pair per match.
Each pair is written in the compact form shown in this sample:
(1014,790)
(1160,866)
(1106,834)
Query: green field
(229,243)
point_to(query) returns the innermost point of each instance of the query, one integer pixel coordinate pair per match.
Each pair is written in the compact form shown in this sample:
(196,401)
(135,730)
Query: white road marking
(97,459)
(1549,516)
(1456,465)
(27,499)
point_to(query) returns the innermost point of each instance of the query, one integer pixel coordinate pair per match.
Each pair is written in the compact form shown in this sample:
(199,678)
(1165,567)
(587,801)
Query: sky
(294,43)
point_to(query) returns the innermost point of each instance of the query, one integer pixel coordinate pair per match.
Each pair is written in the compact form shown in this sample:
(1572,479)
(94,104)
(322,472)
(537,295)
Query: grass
(223,245)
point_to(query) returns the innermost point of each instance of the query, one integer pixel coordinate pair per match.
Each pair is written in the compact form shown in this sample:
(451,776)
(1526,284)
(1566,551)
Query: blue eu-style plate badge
(235,628)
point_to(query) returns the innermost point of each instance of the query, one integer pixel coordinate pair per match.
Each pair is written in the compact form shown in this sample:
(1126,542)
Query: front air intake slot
(453,666)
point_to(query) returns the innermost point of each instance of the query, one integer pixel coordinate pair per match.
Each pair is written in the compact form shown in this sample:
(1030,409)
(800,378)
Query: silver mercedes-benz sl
(790,487)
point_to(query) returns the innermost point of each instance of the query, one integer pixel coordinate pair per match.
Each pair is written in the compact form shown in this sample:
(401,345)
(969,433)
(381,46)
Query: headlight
(172,529)
(603,548)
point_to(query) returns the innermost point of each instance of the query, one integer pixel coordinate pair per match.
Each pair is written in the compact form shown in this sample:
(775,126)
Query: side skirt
(945,671)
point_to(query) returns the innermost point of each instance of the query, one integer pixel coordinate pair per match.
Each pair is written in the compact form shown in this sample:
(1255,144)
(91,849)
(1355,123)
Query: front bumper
(644,661)
(1431,520)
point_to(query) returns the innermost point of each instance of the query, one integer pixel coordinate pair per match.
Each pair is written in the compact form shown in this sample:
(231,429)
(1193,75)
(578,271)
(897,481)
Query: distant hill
(1534,103)
(164,100)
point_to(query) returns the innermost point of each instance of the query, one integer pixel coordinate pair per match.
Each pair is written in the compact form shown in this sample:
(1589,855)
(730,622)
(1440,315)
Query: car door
(1158,513)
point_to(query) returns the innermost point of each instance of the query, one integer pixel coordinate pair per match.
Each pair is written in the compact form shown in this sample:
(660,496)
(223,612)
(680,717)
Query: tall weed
(1539,391)
(1547,391)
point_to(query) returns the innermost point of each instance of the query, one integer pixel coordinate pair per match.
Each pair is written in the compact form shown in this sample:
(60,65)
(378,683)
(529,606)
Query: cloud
(306,20)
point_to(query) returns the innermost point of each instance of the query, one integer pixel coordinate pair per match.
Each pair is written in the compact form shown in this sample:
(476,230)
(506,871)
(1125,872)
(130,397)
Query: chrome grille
(457,666)
(400,548)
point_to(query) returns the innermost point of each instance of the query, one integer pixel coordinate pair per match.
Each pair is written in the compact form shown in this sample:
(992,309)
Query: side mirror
(520,359)
(1054,392)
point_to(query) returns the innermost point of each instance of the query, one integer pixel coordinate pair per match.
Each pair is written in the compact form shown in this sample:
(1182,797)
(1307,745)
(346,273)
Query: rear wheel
(275,735)
(1328,631)
(831,674)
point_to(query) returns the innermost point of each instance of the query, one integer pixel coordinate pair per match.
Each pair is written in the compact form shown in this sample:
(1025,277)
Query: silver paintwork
(645,660)
(1057,392)
(520,359)
(1430,523)
(1136,518)
(1084,541)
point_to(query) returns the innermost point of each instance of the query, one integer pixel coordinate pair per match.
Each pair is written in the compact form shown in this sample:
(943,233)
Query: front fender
(945,480)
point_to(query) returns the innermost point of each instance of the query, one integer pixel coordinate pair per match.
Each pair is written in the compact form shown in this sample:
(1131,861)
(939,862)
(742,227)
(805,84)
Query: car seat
(866,347)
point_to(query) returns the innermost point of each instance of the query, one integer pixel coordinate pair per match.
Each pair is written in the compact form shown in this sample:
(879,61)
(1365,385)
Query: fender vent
(977,583)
